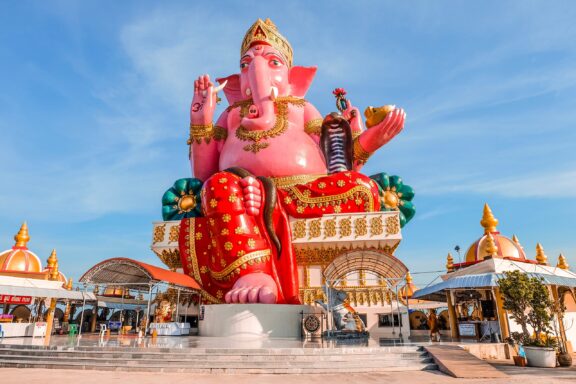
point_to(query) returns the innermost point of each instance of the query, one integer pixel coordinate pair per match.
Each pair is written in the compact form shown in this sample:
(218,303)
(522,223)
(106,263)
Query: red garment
(227,243)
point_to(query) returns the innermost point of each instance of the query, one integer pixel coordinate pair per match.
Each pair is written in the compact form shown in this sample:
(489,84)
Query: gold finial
(489,222)
(266,32)
(491,248)
(562,264)
(541,257)
(69,284)
(22,237)
(449,262)
(53,266)
(408,277)
(96,290)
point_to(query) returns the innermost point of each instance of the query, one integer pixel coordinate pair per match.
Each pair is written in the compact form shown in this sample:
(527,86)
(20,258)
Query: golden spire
(408,277)
(491,248)
(516,241)
(562,264)
(541,257)
(449,262)
(22,237)
(53,266)
(69,284)
(489,222)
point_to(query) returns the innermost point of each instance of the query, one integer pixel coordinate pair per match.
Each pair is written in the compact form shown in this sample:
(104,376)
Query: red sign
(10,299)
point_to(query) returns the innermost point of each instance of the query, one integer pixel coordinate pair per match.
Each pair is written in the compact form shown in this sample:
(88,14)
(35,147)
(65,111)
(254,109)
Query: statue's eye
(275,62)
(243,65)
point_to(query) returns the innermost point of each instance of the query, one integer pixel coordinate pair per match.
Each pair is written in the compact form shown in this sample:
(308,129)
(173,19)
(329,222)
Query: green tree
(528,301)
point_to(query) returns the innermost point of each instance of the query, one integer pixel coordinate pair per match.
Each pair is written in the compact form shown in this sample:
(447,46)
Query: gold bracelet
(313,127)
(199,132)
(360,154)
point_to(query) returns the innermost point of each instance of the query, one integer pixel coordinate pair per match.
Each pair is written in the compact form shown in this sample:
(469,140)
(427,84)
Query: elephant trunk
(261,115)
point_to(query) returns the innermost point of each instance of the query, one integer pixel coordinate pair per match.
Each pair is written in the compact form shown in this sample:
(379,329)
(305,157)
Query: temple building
(471,291)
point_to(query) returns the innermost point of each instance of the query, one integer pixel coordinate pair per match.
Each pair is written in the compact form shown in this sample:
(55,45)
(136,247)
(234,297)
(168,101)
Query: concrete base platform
(253,320)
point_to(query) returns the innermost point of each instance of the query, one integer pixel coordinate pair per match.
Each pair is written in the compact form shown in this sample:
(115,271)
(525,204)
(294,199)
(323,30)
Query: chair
(103,329)
(72,329)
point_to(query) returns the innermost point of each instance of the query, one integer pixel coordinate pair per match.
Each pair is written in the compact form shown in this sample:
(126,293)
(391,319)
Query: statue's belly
(293,153)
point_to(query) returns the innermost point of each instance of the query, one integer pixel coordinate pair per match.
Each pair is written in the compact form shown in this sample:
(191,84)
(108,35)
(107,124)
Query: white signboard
(39,329)
(467,330)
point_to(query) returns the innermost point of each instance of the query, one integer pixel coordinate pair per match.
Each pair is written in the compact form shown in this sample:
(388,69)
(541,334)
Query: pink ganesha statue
(265,160)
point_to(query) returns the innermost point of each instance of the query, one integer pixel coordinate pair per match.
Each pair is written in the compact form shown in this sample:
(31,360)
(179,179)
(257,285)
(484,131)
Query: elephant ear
(232,89)
(300,80)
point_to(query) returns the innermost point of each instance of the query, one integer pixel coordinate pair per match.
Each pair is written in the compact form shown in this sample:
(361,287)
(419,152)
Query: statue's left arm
(368,141)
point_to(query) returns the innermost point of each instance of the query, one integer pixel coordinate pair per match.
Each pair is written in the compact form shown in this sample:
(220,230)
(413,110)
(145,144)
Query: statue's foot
(253,288)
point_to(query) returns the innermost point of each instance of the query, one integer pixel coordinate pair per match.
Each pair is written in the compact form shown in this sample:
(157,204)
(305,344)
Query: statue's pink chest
(291,152)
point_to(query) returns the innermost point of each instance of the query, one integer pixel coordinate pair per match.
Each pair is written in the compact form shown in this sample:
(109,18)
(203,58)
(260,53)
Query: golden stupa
(492,243)
(19,259)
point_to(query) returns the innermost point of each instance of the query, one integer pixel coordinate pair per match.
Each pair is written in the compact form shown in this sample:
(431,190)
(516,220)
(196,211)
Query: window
(385,320)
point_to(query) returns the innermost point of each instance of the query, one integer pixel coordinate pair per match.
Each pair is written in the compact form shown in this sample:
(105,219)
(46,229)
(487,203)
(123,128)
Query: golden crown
(266,32)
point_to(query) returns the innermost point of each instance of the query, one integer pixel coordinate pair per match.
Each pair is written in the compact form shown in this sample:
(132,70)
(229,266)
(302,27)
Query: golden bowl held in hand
(375,115)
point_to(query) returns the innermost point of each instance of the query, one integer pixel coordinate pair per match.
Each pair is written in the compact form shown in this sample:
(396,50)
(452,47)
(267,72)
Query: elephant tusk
(217,89)
(273,93)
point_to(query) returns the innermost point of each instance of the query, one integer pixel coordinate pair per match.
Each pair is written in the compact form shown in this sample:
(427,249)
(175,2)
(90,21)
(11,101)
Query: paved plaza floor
(40,376)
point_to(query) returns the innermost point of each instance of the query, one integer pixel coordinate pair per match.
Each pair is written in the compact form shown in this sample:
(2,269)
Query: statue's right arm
(205,151)
(204,135)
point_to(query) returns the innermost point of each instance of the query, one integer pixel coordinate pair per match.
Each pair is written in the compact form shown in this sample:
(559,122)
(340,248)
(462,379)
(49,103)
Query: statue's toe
(266,296)
(243,295)
(253,295)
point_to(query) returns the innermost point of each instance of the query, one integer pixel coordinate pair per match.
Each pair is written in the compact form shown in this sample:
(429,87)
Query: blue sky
(94,100)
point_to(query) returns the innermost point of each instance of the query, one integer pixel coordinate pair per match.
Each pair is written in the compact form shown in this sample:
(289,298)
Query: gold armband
(313,127)
(206,132)
(360,154)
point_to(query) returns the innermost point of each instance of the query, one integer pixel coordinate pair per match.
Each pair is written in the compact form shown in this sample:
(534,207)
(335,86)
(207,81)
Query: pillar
(94,318)
(502,316)
(50,321)
(452,316)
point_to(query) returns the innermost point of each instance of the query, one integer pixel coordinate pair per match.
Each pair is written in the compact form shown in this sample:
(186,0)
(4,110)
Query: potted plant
(528,301)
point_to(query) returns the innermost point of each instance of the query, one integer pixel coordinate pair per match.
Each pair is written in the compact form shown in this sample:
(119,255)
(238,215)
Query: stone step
(226,360)
(224,370)
(212,356)
(223,351)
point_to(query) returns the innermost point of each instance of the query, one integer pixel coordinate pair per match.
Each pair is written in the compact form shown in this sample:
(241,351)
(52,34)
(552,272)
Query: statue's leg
(242,257)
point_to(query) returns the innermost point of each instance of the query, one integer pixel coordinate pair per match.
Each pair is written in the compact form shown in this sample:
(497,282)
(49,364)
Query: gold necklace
(280,125)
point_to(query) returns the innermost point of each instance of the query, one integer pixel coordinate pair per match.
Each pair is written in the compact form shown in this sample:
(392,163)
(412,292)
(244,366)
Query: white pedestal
(252,320)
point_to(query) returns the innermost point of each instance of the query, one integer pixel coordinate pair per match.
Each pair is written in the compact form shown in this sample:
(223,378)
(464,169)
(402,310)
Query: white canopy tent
(19,286)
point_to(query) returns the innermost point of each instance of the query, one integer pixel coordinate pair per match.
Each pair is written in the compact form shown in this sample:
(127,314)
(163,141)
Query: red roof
(120,270)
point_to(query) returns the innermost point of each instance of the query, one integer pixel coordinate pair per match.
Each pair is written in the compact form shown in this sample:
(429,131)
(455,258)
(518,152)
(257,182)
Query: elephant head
(265,74)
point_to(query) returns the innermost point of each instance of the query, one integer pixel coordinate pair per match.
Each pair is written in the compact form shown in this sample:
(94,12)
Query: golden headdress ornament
(266,32)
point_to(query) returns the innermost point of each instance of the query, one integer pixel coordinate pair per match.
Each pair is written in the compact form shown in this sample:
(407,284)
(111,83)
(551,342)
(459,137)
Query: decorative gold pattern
(267,32)
(170,258)
(357,295)
(449,263)
(234,267)
(330,228)
(315,228)
(392,225)
(353,193)
(360,227)
(290,181)
(345,227)
(313,127)
(299,229)
(174,233)
(360,154)
(220,133)
(280,126)
(159,232)
(376,226)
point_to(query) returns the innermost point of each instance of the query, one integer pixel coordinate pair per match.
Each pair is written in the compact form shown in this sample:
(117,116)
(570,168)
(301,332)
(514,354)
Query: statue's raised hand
(204,101)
